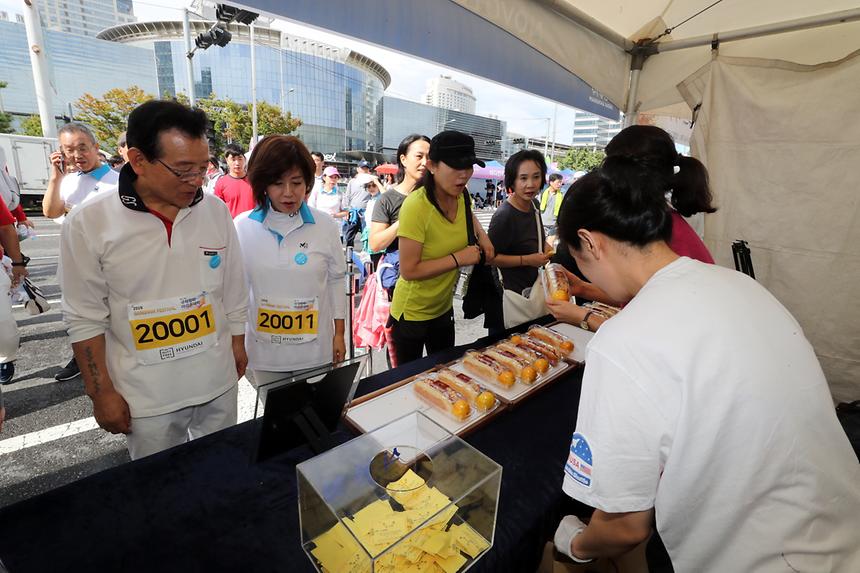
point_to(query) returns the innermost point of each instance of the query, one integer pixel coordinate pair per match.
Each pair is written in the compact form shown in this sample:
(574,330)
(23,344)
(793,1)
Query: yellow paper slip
(468,540)
(451,564)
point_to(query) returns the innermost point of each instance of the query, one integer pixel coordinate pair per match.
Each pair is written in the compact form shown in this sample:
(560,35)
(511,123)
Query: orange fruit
(485,401)
(567,346)
(528,374)
(462,409)
(516,339)
(541,365)
(560,294)
(507,378)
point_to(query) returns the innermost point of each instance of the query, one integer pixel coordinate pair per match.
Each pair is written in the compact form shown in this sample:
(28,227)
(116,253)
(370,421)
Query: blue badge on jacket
(301,258)
(214,261)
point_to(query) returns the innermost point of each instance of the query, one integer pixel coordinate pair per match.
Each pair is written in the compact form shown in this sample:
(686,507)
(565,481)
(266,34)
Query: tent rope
(668,31)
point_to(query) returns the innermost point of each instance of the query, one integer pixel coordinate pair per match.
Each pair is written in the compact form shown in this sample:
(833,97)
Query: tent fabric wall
(781,142)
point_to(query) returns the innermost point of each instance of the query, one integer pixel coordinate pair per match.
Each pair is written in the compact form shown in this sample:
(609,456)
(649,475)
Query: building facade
(447,93)
(590,130)
(85,18)
(336,92)
(77,65)
(403,117)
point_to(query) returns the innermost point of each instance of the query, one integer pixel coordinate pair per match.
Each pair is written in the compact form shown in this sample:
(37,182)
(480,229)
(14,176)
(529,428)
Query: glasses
(187,176)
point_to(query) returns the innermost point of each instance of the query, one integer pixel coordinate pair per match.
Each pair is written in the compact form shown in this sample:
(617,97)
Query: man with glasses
(66,190)
(154,289)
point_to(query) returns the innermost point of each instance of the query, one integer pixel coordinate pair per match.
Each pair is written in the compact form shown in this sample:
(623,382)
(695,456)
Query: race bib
(172,328)
(287,321)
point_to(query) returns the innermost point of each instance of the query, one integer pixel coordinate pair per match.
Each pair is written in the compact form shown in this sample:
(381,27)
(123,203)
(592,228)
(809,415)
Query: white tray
(390,405)
(519,390)
(580,338)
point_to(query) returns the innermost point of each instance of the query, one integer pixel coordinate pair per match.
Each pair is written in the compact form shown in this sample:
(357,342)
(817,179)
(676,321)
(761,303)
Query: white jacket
(116,262)
(292,259)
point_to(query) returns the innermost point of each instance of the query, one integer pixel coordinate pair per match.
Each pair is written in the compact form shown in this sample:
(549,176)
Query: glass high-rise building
(403,117)
(76,65)
(336,92)
(85,18)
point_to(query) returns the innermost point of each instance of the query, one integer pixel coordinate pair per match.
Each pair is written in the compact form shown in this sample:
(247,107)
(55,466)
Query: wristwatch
(23,263)
(584,323)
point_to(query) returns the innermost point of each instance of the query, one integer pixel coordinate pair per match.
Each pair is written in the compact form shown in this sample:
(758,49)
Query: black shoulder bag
(483,291)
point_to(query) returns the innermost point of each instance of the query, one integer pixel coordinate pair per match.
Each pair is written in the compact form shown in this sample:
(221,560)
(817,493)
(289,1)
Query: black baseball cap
(455,149)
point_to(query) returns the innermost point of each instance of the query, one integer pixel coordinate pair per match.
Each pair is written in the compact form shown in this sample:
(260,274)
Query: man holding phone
(78,150)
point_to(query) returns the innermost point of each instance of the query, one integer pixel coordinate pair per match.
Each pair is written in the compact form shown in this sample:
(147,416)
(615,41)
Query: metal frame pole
(189,54)
(39,63)
(350,297)
(253,90)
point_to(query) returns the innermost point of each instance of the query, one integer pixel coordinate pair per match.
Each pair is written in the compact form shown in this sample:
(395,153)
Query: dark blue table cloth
(205,507)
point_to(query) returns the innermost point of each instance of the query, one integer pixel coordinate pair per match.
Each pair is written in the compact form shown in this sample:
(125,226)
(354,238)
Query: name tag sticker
(579,460)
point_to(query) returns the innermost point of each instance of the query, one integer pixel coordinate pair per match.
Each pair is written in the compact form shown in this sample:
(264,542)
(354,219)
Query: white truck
(29,161)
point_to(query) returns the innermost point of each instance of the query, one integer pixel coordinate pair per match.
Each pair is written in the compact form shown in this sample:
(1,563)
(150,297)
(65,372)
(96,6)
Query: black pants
(412,336)
(352,230)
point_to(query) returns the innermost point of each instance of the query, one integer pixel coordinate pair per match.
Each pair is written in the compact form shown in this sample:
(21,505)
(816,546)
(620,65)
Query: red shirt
(686,243)
(237,193)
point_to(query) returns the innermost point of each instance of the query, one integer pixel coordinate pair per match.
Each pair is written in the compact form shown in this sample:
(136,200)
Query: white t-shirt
(123,279)
(75,188)
(326,201)
(703,399)
(291,261)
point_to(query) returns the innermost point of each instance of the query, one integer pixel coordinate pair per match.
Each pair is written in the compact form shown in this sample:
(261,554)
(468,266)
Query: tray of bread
(465,393)
(455,401)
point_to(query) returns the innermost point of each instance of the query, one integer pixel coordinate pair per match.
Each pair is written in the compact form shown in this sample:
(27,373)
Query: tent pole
(632,92)
(759,31)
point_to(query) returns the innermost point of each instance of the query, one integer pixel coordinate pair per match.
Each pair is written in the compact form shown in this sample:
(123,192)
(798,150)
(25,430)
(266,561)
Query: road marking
(51,301)
(39,437)
(247,401)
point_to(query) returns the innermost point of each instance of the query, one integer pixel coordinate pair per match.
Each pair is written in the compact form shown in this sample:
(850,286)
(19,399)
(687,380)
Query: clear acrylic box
(408,496)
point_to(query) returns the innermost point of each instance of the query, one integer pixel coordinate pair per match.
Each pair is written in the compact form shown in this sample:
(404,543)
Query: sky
(524,113)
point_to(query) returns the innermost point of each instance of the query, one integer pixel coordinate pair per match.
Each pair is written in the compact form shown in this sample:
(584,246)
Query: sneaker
(7,372)
(68,372)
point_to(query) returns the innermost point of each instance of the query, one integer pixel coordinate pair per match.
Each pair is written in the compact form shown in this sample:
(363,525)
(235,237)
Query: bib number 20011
(297,322)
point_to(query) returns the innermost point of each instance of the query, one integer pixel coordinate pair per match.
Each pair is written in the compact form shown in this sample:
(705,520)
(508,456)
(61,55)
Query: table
(205,507)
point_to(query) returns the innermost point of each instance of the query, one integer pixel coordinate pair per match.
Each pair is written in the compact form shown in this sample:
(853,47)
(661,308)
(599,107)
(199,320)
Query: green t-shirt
(421,221)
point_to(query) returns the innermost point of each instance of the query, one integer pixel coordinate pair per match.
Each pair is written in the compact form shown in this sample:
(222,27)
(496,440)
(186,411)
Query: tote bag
(517,308)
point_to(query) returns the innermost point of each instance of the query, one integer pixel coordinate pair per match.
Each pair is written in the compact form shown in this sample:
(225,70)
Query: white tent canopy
(592,38)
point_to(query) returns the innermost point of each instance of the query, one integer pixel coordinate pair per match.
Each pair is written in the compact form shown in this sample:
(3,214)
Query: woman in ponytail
(684,179)
(701,405)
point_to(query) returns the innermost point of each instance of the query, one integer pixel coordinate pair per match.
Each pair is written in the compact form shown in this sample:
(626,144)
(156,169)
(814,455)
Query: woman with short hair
(295,267)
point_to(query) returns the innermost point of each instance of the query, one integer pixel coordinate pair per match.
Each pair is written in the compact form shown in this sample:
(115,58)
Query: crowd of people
(722,435)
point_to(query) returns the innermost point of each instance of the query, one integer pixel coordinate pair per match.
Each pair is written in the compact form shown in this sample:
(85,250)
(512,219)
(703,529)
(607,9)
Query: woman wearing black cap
(433,247)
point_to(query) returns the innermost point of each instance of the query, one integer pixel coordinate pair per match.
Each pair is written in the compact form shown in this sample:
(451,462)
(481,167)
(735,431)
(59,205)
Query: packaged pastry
(488,369)
(556,285)
(442,396)
(536,359)
(520,366)
(482,398)
(547,351)
(552,338)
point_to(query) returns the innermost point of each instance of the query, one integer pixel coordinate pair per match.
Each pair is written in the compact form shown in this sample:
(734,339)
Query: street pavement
(50,438)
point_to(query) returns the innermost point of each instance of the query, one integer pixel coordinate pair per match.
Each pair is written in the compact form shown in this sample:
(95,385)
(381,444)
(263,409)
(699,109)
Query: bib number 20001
(174,329)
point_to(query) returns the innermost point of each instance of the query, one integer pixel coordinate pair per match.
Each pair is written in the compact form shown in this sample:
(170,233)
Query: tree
(232,121)
(108,115)
(582,159)
(32,125)
(5,118)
